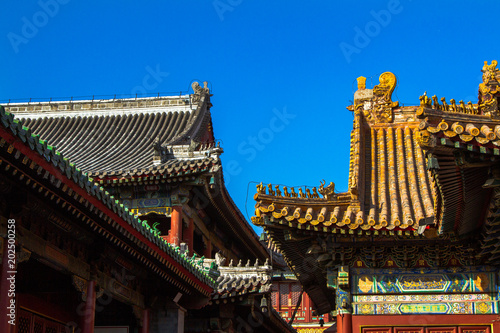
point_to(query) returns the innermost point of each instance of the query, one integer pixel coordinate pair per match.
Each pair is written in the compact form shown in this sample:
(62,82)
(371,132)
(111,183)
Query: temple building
(413,244)
(115,218)
(290,300)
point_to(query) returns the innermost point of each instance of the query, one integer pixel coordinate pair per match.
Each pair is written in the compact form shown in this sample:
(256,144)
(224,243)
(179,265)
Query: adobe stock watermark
(363,37)
(30,27)
(250,147)
(150,81)
(223,6)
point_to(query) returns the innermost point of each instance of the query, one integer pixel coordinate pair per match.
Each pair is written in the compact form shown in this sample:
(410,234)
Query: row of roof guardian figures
(418,224)
(489,92)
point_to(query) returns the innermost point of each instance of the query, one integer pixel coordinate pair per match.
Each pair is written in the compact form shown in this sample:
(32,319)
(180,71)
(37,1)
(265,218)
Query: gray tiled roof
(118,137)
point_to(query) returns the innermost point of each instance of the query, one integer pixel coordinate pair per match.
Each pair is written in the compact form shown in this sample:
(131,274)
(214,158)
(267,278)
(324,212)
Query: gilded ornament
(425,139)
(277,189)
(365,283)
(482,282)
(270,189)
(361,83)
(366,309)
(489,90)
(482,140)
(257,220)
(285,191)
(450,134)
(425,101)
(483,307)
(327,192)
(443,125)
(382,110)
(466,137)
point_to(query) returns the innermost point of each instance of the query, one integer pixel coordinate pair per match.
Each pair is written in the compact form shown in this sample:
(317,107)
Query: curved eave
(234,219)
(457,130)
(174,170)
(19,140)
(110,140)
(319,215)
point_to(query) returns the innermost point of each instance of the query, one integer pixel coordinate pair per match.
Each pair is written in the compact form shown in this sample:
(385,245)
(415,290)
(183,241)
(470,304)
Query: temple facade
(290,300)
(115,218)
(412,245)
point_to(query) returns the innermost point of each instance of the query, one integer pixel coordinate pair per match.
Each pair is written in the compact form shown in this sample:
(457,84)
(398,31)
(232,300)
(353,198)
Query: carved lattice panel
(24,322)
(274,296)
(51,327)
(377,330)
(295,292)
(408,330)
(441,330)
(284,291)
(38,325)
(474,329)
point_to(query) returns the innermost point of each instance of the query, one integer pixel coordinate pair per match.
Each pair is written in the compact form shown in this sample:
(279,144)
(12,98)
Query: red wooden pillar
(145,321)
(307,308)
(4,289)
(208,249)
(188,237)
(176,225)
(344,322)
(89,314)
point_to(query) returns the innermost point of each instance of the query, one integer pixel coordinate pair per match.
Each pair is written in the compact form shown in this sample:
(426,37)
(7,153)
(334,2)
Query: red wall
(358,322)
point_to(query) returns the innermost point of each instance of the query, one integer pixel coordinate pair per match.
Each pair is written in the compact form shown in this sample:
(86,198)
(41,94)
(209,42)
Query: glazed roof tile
(119,137)
(75,174)
(390,187)
(239,280)
(410,167)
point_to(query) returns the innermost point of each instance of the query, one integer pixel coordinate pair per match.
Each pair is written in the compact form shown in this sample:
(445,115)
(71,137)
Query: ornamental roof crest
(376,104)
(489,90)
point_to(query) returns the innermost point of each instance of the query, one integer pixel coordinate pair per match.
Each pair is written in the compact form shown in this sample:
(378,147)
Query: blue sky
(282,72)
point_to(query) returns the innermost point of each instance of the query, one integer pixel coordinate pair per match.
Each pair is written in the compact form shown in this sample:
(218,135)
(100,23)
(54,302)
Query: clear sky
(282,72)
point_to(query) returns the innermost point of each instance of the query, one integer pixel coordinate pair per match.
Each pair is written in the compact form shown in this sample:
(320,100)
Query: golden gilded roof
(389,186)
(396,184)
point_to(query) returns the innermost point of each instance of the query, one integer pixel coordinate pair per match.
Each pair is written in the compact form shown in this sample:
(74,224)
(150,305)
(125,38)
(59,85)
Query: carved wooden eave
(423,191)
(389,189)
(463,145)
(40,167)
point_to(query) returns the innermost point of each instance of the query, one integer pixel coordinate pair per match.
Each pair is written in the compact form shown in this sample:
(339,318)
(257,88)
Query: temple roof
(142,140)
(127,137)
(389,186)
(424,177)
(243,279)
(243,282)
(63,175)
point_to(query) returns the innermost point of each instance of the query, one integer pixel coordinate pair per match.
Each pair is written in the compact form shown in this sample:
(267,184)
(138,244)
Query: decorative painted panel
(439,291)
(463,307)
(474,329)
(408,330)
(424,283)
(436,329)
